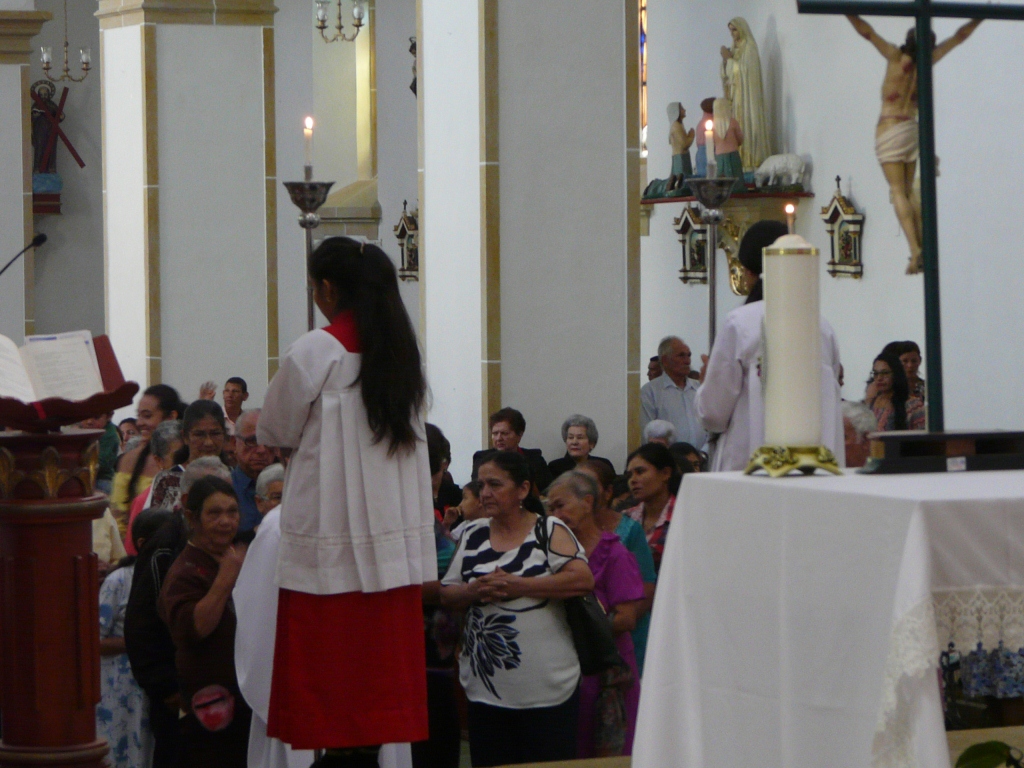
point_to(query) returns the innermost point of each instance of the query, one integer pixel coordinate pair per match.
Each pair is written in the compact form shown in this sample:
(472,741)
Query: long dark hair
(196,412)
(168,401)
(659,457)
(900,388)
(391,374)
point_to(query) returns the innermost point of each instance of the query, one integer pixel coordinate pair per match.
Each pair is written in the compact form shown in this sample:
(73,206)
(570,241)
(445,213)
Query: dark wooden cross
(923,11)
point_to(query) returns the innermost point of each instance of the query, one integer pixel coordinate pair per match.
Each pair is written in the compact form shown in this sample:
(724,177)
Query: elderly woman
(518,664)
(195,603)
(573,499)
(653,480)
(660,431)
(631,534)
(888,396)
(269,487)
(164,444)
(579,433)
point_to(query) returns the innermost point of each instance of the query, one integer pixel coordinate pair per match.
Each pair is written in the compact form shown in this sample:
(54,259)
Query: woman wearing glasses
(888,397)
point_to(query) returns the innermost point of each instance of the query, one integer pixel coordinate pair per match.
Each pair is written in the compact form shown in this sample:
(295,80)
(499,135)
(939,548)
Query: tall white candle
(709,147)
(307,134)
(791,365)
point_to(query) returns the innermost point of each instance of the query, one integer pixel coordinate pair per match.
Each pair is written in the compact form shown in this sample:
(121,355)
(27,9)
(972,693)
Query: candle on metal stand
(709,148)
(307,133)
(792,329)
(790,215)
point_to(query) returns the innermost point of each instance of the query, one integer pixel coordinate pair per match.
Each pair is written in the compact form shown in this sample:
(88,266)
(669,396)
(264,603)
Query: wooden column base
(80,756)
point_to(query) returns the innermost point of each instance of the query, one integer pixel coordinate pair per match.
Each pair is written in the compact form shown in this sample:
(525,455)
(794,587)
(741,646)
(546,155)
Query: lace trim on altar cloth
(913,651)
(984,625)
(986,615)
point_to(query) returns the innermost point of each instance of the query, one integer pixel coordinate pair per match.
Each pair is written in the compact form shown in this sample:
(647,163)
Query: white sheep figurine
(788,168)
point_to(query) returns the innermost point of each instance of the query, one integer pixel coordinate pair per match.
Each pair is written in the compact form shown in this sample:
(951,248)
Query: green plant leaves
(988,754)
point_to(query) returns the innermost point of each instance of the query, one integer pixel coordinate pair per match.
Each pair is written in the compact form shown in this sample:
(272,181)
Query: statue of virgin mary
(741,81)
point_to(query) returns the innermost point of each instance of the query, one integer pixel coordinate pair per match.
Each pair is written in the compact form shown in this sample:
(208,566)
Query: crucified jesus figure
(896,136)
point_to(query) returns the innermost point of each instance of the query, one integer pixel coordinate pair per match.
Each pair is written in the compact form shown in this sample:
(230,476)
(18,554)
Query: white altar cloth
(795,619)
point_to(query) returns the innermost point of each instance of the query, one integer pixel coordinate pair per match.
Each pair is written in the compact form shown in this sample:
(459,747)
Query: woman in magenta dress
(357,533)
(620,589)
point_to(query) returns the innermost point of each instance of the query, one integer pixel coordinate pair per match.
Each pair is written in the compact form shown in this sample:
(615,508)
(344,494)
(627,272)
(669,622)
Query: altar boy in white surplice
(729,400)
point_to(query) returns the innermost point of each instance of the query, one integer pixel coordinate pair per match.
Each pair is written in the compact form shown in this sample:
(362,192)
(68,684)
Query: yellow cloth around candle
(791,367)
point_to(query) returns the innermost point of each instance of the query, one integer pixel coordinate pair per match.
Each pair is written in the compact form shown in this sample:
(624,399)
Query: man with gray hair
(670,397)
(252,458)
(660,431)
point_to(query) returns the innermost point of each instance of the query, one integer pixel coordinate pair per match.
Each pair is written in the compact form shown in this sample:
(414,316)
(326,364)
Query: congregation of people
(192,547)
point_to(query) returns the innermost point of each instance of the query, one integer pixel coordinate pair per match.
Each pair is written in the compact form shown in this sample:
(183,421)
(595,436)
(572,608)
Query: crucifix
(923,11)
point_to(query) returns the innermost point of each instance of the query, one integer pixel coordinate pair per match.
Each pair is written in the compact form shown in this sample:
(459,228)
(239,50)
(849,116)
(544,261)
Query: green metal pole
(929,218)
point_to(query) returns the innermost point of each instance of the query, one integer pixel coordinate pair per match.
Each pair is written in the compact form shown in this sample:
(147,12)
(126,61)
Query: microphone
(36,242)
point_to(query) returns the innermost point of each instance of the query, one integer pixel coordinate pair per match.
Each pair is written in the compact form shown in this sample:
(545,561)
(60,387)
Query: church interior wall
(294,95)
(12,217)
(212,210)
(69,288)
(125,217)
(563,218)
(335,107)
(450,235)
(822,85)
(397,160)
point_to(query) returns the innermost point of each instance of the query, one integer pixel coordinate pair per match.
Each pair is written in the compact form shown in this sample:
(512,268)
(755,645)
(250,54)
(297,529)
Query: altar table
(799,621)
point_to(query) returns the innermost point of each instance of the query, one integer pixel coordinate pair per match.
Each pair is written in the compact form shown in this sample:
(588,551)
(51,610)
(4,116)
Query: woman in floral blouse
(518,664)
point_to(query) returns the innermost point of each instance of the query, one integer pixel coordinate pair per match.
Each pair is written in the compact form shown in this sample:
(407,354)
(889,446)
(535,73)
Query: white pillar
(450,246)
(19,23)
(531,220)
(190,190)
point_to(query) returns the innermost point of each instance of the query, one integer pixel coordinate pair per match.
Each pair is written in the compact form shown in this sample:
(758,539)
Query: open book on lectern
(64,365)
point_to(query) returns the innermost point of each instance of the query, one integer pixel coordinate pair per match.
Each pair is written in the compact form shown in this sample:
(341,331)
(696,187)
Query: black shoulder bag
(591,630)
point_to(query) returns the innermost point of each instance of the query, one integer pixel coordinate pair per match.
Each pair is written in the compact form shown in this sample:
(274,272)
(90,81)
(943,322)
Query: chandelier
(358,15)
(47,58)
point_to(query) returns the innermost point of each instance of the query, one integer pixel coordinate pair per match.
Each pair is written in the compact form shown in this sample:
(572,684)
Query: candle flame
(790,209)
(309,123)
(709,125)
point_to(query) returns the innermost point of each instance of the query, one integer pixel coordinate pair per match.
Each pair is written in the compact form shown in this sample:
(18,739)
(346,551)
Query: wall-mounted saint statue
(741,80)
(896,137)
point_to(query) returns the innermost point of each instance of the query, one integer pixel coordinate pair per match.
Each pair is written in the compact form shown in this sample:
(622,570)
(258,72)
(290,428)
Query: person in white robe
(741,81)
(729,401)
(255,599)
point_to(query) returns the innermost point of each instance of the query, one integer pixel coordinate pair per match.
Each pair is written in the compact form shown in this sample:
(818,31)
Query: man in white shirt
(729,400)
(671,396)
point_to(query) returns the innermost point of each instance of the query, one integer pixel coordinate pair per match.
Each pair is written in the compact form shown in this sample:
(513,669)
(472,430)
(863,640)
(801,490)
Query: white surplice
(255,599)
(730,400)
(354,518)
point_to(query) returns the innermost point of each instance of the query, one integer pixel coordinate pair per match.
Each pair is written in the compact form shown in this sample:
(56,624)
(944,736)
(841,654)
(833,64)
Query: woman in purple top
(619,587)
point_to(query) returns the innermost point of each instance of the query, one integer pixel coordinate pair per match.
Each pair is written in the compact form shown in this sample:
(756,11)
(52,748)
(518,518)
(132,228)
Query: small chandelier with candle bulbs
(47,58)
(323,7)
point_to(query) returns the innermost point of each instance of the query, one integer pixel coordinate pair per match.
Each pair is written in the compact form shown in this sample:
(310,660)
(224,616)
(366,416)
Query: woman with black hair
(203,432)
(357,534)
(196,605)
(518,665)
(137,468)
(888,396)
(654,480)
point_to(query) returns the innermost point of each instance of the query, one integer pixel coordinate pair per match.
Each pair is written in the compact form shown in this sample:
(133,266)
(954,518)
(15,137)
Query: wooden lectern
(49,612)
